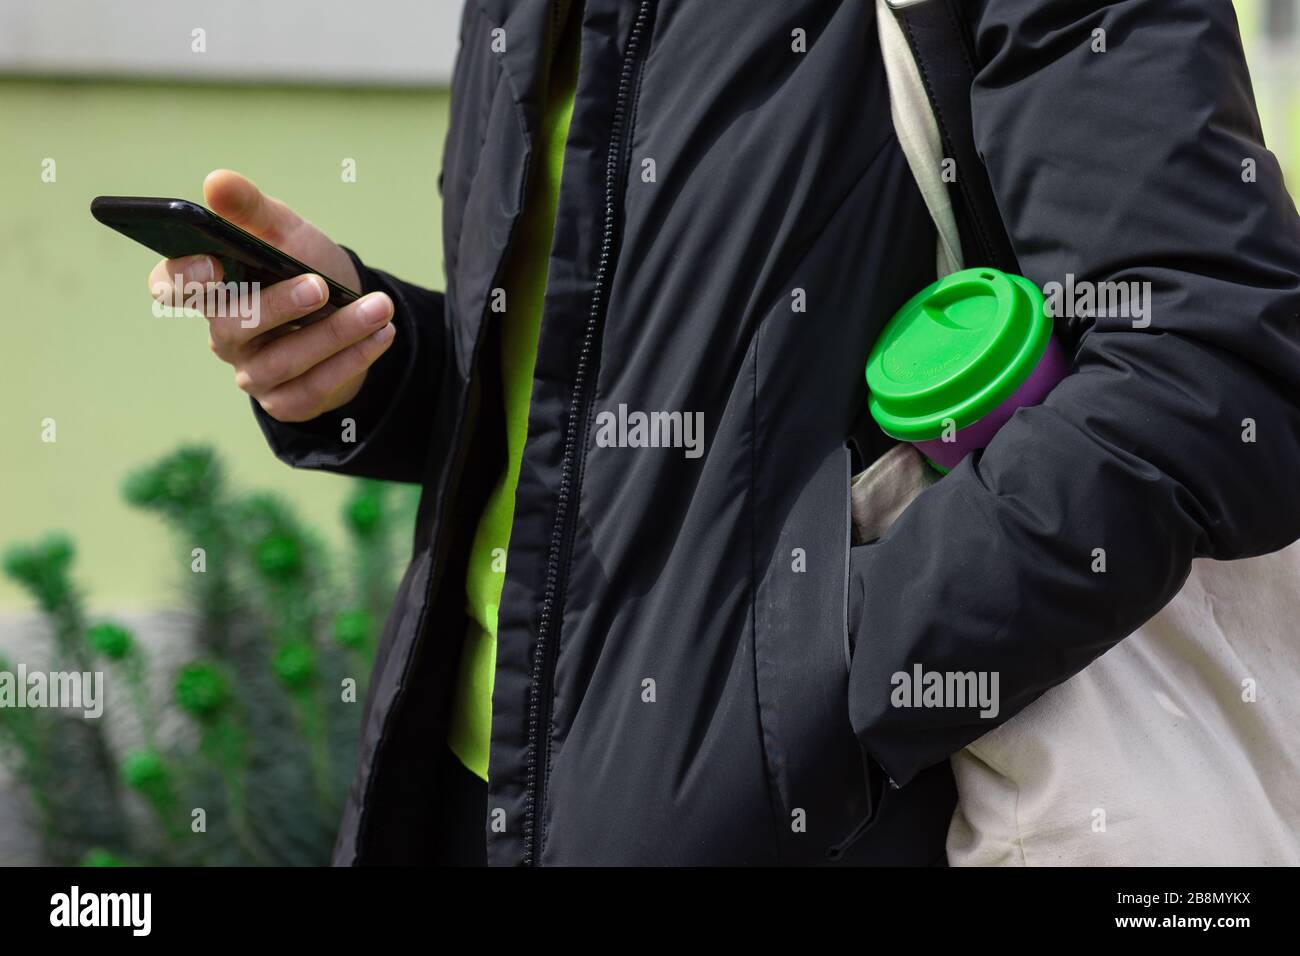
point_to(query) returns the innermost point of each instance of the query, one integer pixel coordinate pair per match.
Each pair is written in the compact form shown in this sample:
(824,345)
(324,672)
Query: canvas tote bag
(1181,745)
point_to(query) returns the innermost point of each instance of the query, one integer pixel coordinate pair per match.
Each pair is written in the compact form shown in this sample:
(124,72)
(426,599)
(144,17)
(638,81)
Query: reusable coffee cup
(958,358)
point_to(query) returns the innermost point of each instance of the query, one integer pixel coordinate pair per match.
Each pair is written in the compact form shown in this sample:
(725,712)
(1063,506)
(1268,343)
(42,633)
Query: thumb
(230,195)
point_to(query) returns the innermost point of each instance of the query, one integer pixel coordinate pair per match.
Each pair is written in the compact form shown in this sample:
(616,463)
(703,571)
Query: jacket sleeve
(393,412)
(1170,441)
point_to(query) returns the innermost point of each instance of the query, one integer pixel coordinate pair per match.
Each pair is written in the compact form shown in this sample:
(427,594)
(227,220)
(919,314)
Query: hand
(295,374)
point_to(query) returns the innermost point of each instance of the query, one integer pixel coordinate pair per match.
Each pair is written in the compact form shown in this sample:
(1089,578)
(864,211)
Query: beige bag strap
(918,134)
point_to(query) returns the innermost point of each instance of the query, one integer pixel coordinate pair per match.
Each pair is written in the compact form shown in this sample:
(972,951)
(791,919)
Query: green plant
(259,772)
(64,760)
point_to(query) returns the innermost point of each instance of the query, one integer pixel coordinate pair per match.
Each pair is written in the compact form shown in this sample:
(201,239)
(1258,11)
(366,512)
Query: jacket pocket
(800,652)
(877,496)
(882,492)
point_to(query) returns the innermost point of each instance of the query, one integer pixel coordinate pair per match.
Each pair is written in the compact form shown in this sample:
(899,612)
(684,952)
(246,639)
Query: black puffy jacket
(747,282)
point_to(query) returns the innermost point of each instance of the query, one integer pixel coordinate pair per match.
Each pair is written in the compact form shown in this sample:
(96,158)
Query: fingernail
(200,270)
(308,291)
(384,334)
(374,309)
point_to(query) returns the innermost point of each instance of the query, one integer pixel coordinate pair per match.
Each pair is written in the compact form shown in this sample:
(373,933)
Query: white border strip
(371,42)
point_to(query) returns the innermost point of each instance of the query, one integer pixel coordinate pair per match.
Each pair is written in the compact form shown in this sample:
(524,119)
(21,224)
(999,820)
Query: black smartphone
(177,227)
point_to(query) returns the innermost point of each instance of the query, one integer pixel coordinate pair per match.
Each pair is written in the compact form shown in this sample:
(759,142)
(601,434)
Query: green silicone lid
(956,350)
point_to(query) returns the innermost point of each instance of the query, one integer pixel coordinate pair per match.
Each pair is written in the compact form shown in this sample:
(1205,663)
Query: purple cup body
(1051,368)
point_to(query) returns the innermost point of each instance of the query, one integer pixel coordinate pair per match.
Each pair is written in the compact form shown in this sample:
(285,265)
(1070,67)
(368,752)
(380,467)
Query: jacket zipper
(540,695)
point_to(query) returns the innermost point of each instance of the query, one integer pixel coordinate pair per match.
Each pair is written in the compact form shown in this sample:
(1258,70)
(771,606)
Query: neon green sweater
(525,287)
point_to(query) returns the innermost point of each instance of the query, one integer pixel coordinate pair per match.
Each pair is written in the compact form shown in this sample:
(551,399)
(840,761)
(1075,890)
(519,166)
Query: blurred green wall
(80,343)
(1274,73)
